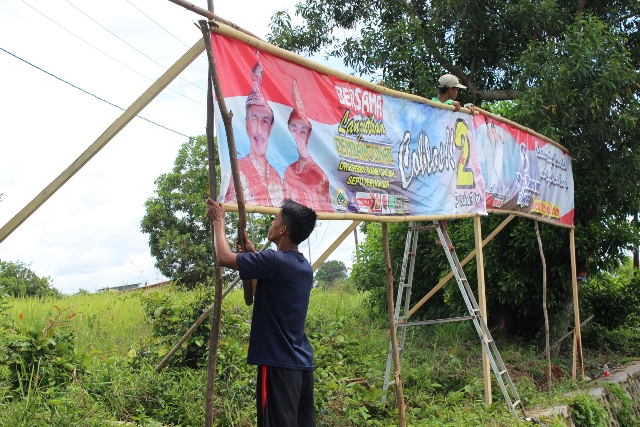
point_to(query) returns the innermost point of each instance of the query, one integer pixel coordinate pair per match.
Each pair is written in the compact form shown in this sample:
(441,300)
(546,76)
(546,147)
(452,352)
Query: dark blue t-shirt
(280,308)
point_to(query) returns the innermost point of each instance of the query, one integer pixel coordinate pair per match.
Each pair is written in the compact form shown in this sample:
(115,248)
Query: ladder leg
(402,301)
(499,369)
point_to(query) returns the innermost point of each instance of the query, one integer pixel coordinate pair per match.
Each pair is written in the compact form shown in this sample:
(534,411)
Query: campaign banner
(339,147)
(524,173)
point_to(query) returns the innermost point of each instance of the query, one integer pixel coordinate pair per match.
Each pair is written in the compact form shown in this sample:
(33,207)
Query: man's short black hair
(300,220)
(443,90)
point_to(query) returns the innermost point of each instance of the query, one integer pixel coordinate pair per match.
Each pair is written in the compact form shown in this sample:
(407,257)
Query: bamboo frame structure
(468,258)
(578,362)
(482,300)
(244,36)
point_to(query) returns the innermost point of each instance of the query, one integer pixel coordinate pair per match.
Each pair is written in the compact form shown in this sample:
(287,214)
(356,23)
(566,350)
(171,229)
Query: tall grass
(107,322)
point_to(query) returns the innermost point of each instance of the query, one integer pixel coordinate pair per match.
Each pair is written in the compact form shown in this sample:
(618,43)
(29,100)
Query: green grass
(442,371)
(109,322)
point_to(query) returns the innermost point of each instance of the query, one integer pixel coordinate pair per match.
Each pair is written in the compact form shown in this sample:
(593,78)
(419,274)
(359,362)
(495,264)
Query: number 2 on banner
(465,175)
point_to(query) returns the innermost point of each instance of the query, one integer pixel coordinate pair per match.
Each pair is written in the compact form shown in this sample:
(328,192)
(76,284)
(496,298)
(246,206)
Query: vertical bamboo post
(402,420)
(544,306)
(482,299)
(355,235)
(233,154)
(214,335)
(578,363)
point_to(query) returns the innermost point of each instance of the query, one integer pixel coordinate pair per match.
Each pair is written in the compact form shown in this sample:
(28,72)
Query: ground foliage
(175,220)
(441,369)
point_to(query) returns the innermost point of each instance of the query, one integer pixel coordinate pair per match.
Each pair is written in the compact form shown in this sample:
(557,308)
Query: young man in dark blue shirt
(278,344)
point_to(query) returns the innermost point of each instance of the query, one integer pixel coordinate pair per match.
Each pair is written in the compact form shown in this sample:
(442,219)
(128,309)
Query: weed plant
(117,339)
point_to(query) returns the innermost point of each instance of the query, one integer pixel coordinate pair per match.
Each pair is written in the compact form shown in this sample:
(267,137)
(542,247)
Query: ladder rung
(391,383)
(502,372)
(406,285)
(412,253)
(490,340)
(516,403)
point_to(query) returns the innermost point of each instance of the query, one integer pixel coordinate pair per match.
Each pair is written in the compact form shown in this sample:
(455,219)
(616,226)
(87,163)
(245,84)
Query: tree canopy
(330,271)
(175,219)
(411,43)
(18,280)
(568,69)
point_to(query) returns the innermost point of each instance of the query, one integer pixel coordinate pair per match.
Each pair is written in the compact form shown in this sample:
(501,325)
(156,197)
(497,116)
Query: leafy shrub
(587,412)
(621,405)
(614,298)
(171,314)
(46,357)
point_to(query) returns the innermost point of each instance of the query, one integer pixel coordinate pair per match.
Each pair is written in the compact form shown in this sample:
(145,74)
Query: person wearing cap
(448,86)
(304,181)
(261,182)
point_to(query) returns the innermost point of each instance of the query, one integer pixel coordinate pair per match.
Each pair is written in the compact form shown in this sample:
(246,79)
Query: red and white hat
(298,112)
(256,97)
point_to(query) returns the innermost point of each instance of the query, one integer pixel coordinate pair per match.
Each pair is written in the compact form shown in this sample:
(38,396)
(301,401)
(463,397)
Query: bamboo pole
(355,235)
(214,334)
(335,244)
(233,155)
(578,363)
(529,216)
(568,334)
(402,421)
(482,299)
(544,306)
(335,216)
(133,110)
(209,14)
(468,258)
(312,65)
(199,321)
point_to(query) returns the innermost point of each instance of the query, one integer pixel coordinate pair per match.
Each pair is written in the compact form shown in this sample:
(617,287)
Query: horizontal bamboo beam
(131,112)
(312,65)
(207,14)
(468,258)
(335,216)
(529,216)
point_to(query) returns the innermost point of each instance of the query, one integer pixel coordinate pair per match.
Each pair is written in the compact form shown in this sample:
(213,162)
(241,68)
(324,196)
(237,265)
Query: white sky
(87,235)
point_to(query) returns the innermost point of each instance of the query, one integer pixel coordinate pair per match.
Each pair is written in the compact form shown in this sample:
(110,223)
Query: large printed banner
(523,173)
(339,147)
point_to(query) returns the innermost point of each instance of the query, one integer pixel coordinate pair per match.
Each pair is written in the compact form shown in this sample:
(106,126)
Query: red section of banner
(237,59)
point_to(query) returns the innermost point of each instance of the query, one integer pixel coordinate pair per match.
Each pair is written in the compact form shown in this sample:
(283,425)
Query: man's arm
(216,213)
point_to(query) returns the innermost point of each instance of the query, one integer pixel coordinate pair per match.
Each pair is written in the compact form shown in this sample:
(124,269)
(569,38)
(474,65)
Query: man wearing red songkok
(261,183)
(304,180)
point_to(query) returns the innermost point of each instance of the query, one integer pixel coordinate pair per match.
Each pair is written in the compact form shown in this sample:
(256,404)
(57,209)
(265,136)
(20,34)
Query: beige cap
(449,80)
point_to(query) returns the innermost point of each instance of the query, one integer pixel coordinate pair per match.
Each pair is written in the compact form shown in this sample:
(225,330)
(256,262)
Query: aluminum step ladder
(402,309)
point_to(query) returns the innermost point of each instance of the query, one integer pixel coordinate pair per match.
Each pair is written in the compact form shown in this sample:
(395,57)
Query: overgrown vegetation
(101,367)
